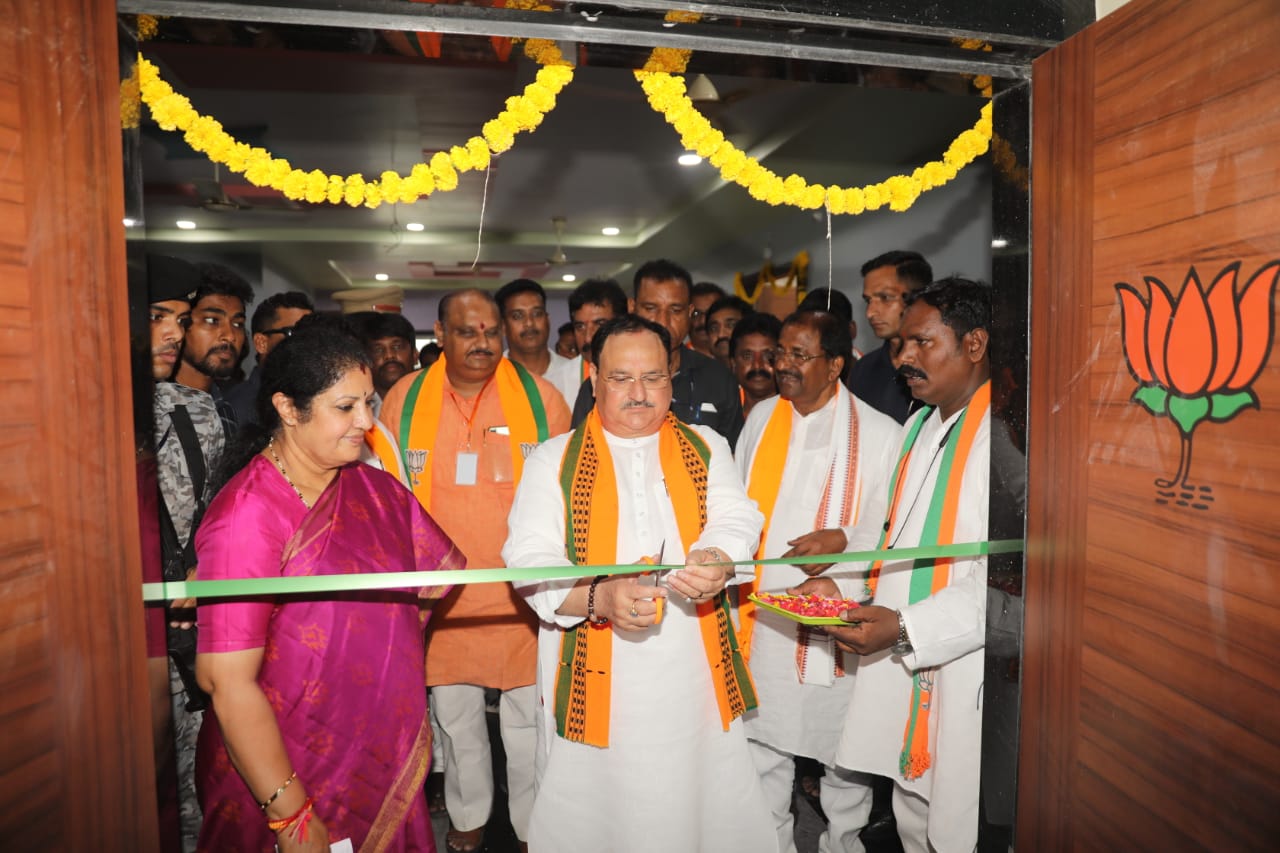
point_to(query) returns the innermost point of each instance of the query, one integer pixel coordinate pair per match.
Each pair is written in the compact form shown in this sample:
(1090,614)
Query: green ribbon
(306,584)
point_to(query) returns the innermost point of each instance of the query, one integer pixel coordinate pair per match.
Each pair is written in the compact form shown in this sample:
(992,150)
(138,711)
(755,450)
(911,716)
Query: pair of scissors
(659,577)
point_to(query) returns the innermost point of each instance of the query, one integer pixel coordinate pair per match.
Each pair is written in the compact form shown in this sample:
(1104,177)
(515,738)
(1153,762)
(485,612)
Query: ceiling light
(568,277)
(999,243)
(688,158)
(414,226)
(611,231)
(185,224)
(129,222)
(702,90)
(381,276)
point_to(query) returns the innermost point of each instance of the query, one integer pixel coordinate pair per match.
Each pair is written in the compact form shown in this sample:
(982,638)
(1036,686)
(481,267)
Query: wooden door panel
(1153,644)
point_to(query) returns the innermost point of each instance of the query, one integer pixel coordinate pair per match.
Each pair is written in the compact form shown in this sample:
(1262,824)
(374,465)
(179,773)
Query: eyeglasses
(651,381)
(774,356)
(286,331)
(743,356)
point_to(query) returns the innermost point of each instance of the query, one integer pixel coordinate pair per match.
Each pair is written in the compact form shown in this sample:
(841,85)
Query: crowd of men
(670,423)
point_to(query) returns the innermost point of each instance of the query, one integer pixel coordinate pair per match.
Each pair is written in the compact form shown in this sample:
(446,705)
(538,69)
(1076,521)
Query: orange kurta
(481,634)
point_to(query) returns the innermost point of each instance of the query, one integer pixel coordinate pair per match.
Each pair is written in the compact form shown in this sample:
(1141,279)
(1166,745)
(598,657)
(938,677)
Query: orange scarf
(764,481)
(930,576)
(522,408)
(383,445)
(583,686)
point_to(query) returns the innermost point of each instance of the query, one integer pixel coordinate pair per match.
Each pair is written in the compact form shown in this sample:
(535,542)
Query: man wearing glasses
(886,280)
(272,322)
(641,682)
(817,461)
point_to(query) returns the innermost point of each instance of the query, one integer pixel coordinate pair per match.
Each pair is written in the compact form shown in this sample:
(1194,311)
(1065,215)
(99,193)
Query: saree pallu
(343,674)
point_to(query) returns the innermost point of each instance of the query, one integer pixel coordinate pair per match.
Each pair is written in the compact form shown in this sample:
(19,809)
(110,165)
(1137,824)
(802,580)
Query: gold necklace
(272,450)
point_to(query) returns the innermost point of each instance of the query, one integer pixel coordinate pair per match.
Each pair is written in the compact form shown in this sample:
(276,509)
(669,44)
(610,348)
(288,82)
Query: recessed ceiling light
(185,224)
(999,243)
(414,226)
(381,276)
(611,231)
(688,158)
(568,277)
(129,222)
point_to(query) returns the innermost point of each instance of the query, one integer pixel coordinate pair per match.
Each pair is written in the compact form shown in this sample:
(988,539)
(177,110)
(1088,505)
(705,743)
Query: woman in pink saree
(318,729)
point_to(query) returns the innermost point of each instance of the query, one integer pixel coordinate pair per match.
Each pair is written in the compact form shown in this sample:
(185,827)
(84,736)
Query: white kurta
(947,631)
(671,777)
(566,375)
(806,719)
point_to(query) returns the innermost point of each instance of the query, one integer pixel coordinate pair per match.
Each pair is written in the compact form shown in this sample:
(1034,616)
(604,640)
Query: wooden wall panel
(1158,621)
(1061,209)
(75,756)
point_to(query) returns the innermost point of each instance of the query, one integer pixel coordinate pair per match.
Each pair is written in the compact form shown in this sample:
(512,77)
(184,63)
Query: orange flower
(1196,356)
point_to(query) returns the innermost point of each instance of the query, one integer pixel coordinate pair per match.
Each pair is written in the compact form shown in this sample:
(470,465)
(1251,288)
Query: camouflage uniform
(178,492)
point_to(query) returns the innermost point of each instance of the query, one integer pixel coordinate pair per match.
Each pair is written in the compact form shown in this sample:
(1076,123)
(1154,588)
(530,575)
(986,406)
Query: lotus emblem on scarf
(1196,356)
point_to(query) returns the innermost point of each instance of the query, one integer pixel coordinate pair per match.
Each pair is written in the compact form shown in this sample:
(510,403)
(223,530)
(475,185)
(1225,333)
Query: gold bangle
(271,799)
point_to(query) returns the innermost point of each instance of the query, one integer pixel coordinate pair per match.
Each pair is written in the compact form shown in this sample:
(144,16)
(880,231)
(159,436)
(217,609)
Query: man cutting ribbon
(640,745)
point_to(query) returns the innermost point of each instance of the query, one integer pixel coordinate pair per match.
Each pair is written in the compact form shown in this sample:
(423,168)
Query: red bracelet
(301,818)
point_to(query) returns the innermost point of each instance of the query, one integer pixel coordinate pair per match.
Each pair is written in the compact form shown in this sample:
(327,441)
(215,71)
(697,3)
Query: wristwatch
(903,646)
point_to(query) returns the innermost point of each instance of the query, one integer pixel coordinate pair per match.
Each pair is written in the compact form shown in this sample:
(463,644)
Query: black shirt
(874,380)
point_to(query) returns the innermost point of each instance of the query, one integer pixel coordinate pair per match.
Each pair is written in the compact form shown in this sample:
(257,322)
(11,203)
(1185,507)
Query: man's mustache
(786,374)
(909,372)
(485,352)
(220,348)
(633,404)
(165,350)
(758,374)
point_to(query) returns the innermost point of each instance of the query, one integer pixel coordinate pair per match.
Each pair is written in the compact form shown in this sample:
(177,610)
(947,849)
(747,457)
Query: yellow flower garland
(666,94)
(523,113)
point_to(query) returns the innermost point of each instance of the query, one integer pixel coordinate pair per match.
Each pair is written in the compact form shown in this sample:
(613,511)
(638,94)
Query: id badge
(465,474)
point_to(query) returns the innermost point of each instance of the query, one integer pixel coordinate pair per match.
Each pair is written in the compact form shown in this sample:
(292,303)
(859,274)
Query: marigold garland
(523,113)
(667,95)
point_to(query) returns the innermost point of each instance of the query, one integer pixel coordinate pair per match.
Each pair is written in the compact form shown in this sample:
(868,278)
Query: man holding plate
(640,678)
(916,712)
(817,460)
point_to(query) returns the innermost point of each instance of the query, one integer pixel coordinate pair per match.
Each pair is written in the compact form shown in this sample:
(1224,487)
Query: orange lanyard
(470,420)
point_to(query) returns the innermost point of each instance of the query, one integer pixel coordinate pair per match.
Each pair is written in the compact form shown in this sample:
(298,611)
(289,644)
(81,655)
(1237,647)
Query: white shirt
(671,777)
(947,631)
(566,375)
(806,719)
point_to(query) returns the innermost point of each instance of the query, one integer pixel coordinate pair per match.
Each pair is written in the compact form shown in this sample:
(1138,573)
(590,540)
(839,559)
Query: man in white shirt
(817,461)
(916,711)
(591,304)
(523,306)
(640,747)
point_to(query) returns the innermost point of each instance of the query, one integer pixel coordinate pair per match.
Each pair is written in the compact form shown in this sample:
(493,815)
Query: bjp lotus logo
(1196,357)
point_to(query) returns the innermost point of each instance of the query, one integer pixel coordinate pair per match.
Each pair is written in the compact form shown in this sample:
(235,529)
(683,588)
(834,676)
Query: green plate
(796,617)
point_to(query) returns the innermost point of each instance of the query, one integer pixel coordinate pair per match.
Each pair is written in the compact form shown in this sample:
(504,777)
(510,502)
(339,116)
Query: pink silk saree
(343,671)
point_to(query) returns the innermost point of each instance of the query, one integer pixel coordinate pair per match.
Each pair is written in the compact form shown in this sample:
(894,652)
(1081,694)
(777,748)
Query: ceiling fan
(211,195)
